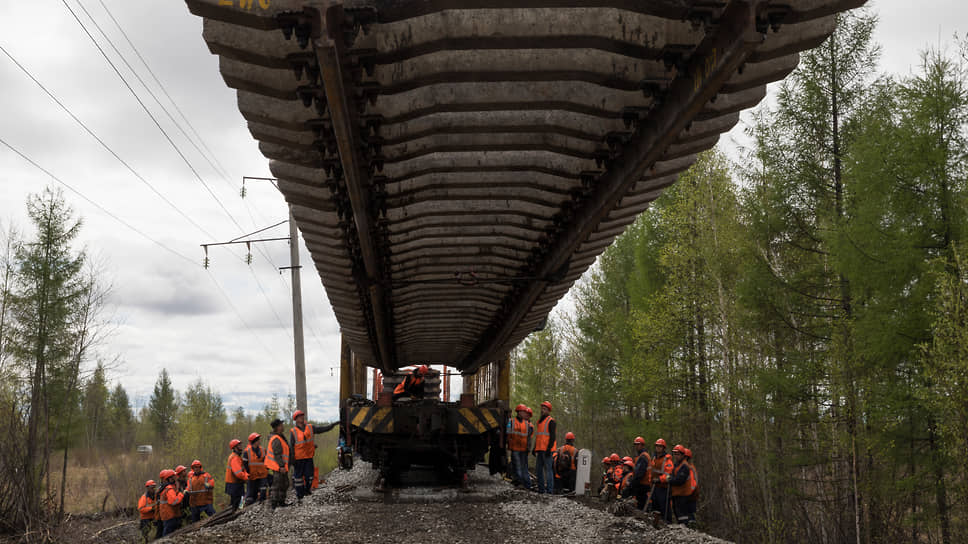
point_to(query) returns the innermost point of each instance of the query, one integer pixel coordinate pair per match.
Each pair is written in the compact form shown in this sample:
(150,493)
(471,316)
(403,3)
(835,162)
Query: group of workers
(251,471)
(667,484)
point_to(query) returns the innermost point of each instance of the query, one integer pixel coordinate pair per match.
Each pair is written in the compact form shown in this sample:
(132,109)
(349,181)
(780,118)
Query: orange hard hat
(166,473)
(679,449)
(150,483)
(626,458)
(604,460)
(254,436)
(297,413)
(179,469)
(196,463)
(422,370)
(660,442)
(235,442)
(629,463)
(639,440)
(547,405)
(569,435)
(614,458)
(689,453)
(520,408)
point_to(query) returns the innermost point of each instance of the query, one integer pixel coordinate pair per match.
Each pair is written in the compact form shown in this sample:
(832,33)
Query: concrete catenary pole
(297,317)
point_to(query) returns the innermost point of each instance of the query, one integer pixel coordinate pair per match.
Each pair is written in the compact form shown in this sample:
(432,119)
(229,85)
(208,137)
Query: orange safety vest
(543,436)
(687,488)
(277,464)
(617,474)
(571,450)
(647,479)
(169,502)
(518,434)
(233,470)
(402,386)
(662,469)
(198,494)
(304,447)
(695,476)
(257,466)
(146,507)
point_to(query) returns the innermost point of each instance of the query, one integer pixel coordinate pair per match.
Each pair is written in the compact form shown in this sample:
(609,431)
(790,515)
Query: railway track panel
(455,166)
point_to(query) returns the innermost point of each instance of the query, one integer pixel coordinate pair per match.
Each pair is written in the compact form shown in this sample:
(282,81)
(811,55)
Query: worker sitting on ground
(146,511)
(625,488)
(235,475)
(200,492)
(413,385)
(565,464)
(607,491)
(303,448)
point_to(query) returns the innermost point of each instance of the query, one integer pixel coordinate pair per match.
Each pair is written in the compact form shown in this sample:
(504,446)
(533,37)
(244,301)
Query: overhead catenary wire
(137,231)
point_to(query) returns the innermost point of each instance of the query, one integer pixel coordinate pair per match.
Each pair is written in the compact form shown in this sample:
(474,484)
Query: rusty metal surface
(455,165)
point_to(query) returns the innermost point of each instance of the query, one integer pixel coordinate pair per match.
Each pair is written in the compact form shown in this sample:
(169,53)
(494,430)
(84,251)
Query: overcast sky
(167,310)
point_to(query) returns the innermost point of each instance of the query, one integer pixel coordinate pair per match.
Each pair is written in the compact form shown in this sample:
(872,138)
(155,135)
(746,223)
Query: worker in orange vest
(253,461)
(519,436)
(642,474)
(692,502)
(303,449)
(277,461)
(565,464)
(682,484)
(146,510)
(661,472)
(545,445)
(200,491)
(181,480)
(169,502)
(606,472)
(625,486)
(413,385)
(235,475)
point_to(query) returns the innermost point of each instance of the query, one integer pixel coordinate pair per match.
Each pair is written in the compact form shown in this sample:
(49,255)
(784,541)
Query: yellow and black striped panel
(477,420)
(372,419)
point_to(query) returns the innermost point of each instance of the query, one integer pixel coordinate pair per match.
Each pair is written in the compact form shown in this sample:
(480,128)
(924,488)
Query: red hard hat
(629,463)
(520,408)
(166,473)
(422,370)
(179,469)
(150,483)
(528,410)
(679,449)
(604,460)
(297,413)
(638,440)
(235,442)
(254,436)
(546,404)
(627,459)
(689,453)
(569,436)
(196,463)
(660,442)
(614,458)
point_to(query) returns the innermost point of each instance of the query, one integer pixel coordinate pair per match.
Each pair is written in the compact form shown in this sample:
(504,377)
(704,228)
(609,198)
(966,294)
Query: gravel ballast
(345,509)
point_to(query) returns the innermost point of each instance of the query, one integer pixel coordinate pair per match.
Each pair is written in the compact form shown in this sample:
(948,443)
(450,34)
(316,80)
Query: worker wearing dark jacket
(303,449)
(544,446)
(253,461)
(277,461)
(146,511)
(413,385)
(641,474)
(682,484)
(235,475)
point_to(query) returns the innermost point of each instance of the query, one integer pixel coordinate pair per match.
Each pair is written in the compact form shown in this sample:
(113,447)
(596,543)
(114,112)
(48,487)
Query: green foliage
(163,406)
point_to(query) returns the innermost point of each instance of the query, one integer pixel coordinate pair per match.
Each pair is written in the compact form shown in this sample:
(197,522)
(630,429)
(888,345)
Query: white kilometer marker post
(583,477)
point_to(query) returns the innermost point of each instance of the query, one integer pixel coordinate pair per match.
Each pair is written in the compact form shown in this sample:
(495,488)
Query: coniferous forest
(797,316)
